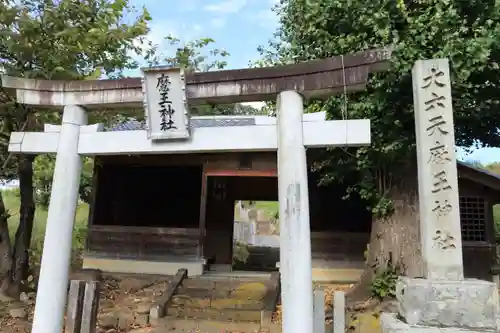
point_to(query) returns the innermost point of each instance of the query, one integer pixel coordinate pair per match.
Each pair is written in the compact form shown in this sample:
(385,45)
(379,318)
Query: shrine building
(158,213)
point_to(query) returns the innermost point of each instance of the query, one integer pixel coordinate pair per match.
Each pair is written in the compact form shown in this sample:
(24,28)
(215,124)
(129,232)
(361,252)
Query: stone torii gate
(161,87)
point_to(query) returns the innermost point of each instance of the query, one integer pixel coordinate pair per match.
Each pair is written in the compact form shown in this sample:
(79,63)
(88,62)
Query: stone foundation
(443,306)
(391,324)
(194,267)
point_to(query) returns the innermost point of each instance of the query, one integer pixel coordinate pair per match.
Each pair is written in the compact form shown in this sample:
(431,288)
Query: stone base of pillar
(435,305)
(390,323)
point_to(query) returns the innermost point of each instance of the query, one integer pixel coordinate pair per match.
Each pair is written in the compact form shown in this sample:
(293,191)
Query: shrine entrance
(223,191)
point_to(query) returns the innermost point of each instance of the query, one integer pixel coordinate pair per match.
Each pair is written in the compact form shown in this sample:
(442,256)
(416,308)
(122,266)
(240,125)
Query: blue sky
(239,27)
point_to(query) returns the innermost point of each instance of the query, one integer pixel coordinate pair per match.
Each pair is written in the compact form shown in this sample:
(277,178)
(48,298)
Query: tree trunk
(20,255)
(5,251)
(394,240)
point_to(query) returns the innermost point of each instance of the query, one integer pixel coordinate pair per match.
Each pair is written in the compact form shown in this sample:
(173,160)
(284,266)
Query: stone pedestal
(443,306)
(391,324)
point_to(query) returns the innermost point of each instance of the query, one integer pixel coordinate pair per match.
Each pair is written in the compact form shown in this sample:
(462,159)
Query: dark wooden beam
(314,79)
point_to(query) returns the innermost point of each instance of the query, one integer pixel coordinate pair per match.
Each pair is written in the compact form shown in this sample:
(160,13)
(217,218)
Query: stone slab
(391,324)
(215,314)
(467,303)
(198,283)
(202,293)
(231,303)
(186,301)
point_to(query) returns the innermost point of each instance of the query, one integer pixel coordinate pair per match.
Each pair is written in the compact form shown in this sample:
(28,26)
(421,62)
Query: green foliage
(384,284)
(467,32)
(61,40)
(240,253)
(43,171)
(12,203)
(56,40)
(68,39)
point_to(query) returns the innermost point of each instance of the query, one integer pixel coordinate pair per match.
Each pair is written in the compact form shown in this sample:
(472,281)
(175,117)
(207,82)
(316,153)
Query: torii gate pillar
(52,292)
(295,232)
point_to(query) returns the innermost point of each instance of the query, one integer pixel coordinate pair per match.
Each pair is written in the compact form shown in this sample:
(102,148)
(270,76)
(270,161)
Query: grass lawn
(269,208)
(496,218)
(12,203)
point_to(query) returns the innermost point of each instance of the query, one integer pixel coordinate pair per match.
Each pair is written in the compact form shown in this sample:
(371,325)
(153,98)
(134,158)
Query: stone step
(181,325)
(201,293)
(235,315)
(217,303)
(223,299)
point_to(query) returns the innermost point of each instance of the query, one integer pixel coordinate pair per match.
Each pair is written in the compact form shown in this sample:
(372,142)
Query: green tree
(466,32)
(493,167)
(49,39)
(43,175)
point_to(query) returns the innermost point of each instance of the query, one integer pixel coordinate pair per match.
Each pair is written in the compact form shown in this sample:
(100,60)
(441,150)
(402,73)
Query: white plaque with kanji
(165,103)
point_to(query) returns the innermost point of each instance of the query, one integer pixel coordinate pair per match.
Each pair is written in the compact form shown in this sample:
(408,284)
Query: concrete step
(234,315)
(177,325)
(224,299)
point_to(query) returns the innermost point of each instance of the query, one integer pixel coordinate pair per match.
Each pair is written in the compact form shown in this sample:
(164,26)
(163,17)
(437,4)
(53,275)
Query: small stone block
(125,321)
(157,311)
(338,312)
(75,304)
(319,310)
(468,304)
(90,307)
(142,319)
(390,323)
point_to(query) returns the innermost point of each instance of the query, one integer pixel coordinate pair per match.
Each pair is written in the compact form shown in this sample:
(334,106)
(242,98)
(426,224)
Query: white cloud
(218,23)
(264,18)
(184,31)
(196,29)
(226,7)
(158,31)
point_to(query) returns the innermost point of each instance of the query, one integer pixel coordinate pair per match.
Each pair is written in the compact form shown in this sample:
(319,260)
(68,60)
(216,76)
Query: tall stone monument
(442,301)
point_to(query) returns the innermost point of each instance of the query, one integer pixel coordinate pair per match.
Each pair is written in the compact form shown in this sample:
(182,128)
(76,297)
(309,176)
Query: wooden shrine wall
(149,207)
(145,212)
(147,243)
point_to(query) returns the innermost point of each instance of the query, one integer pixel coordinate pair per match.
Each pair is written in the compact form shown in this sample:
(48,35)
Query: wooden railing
(144,242)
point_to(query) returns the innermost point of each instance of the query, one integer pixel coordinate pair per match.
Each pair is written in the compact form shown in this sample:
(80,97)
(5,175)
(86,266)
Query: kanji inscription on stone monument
(165,103)
(437,171)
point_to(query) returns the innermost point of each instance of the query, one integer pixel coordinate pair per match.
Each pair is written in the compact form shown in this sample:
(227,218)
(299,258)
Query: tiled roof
(479,169)
(134,125)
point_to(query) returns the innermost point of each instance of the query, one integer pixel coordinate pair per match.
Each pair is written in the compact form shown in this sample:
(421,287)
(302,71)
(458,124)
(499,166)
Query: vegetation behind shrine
(466,32)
